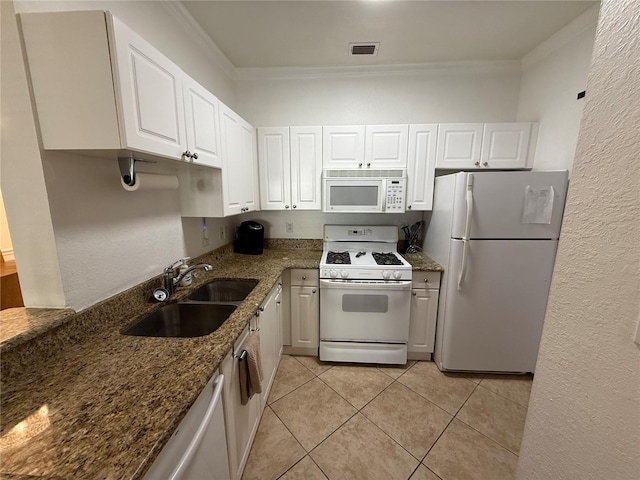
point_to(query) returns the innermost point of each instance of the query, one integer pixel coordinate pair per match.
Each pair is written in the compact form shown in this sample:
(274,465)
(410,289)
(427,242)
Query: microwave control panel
(395,195)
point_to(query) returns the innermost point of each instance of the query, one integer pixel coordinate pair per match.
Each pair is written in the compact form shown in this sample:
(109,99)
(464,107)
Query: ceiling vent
(358,49)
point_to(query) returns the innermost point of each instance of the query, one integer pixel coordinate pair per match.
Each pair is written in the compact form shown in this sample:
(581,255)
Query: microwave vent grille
(364,174)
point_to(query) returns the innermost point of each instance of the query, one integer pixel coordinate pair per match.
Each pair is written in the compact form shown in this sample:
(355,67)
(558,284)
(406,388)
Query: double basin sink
(203,312)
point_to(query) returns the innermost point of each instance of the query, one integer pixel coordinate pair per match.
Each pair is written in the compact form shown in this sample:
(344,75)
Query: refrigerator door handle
(467,230)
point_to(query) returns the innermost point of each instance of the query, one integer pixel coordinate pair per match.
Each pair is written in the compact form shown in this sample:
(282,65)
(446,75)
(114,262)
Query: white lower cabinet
(424,311)
(305,312)
(269,326)
(198,447)
(241,420)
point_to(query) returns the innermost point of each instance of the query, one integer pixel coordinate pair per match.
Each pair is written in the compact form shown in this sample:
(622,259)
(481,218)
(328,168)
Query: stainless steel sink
(224,291)
(182,320)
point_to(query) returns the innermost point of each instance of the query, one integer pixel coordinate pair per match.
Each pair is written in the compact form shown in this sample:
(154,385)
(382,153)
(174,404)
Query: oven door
(365,310)
(354,195)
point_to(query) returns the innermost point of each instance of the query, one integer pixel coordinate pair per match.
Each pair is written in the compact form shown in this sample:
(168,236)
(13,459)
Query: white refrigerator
(496,235)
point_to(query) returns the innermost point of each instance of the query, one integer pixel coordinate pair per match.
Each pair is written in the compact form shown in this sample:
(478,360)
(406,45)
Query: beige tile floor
(343,421)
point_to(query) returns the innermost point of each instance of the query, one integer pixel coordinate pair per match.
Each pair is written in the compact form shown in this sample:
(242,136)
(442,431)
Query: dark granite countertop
(98,404)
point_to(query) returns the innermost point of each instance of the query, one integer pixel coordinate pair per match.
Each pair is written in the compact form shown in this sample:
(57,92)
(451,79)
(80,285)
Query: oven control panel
(395,195)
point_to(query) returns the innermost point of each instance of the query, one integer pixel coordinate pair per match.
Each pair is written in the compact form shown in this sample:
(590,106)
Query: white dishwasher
(198,447)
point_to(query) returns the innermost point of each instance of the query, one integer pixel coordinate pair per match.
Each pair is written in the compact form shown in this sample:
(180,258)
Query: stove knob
(344,273)
(386,275)
(397,274)
(333,273)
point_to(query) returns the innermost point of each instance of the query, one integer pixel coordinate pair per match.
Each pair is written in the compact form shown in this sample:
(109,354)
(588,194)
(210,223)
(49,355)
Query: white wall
(553,74)
(584,413)
(470,93)
(106,239)
(23,183)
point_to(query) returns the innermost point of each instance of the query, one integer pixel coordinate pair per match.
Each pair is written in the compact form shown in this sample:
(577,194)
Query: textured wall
(584,415)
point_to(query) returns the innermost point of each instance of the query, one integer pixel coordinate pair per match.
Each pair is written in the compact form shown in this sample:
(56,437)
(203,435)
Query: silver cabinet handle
(359,165)
(413,293)
(368,165)
(304,277)
(261,309)
(313,291)
(194,156)
(187,154)
(409,207)
(486,164)
(426,280)
(286,206)
(295,206)
(477,164)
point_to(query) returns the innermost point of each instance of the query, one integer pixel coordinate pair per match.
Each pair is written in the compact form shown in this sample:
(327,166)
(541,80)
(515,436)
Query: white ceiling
(317,33)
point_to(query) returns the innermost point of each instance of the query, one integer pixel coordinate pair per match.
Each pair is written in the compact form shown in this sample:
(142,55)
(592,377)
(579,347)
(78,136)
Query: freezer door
(494,322)
(499,200)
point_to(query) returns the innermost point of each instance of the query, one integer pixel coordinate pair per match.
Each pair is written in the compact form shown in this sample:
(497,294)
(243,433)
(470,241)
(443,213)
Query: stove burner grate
(338,258)
(386,258)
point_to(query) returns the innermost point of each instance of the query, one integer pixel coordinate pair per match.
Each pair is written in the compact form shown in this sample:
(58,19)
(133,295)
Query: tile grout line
(526,407)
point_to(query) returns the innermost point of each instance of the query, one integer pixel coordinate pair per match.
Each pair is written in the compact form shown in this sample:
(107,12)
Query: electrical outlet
(289,227)
(204,234)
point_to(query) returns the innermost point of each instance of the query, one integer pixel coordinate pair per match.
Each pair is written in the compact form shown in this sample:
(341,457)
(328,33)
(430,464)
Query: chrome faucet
(170,280)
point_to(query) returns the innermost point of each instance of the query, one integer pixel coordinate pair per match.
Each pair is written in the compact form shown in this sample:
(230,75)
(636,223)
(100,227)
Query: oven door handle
(366,284)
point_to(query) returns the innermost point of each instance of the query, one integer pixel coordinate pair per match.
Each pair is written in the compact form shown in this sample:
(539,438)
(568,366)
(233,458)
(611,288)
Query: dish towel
(250,369)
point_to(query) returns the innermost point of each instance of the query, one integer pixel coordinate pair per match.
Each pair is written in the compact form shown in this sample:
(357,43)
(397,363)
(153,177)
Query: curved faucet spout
(204,266)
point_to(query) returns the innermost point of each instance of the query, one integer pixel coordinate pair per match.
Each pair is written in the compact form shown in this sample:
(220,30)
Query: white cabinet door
(421,166)
(459,145)
(202,124)
(505,145)
(343,147)
(306,168)
(150,100)
(241,420)
(422,326)
(305,317)
(386,146)
(274,168)
(269,348)
(239,165)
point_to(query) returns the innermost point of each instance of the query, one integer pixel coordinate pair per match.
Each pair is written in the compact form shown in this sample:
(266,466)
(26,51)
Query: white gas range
(365,292)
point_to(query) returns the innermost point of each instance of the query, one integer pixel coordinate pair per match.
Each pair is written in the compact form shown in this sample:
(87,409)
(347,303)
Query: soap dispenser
(187,279)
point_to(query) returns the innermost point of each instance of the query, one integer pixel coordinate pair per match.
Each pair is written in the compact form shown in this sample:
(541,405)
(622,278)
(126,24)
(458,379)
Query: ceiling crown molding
(572,30)
(178,11)
(432,68)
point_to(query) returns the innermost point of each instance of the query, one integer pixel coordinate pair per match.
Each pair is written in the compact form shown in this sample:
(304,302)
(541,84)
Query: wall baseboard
(8,255)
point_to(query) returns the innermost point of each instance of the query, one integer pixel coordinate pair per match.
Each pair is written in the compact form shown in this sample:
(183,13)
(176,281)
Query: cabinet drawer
(304,277)
(426,280)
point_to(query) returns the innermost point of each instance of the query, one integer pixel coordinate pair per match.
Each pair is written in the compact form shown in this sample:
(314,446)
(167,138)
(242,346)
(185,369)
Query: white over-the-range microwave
(364,191)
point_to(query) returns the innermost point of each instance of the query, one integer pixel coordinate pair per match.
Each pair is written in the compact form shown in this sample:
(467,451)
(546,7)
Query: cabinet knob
(359,165)
(261,309)
(368,165)
(187,154)
(194,156)
(313,291)
(304,277)
(408,207)
(426,280)
(413,293)
(277,303)
(477,164)
(486,164)
(286,206)
(295,206)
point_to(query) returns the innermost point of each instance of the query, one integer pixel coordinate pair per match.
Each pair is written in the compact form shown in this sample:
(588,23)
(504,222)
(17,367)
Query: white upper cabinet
(275,172)
(386,146)
(239,180)
(306,168)
(201,110)
(290,162)
(421,166)
(459,145)
(472,146)
(343,147)
(506,145)
(150,94)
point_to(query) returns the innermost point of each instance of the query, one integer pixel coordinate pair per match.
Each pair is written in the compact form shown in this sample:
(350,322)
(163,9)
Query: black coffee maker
(249,238)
